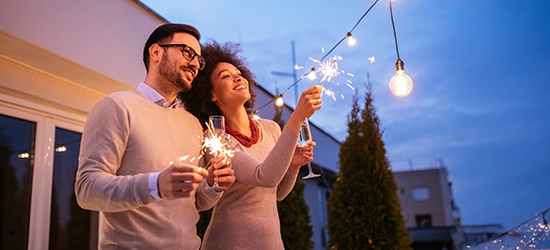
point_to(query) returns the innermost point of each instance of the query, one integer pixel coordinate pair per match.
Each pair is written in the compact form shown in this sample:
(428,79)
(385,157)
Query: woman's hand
(302,155)
(221,170)
(310,101)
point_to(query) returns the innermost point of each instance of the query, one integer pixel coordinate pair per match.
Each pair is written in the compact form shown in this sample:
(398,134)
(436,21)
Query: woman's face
(229,88)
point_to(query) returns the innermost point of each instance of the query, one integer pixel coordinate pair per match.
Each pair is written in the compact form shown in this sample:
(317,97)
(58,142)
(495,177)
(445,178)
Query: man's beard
(169,73)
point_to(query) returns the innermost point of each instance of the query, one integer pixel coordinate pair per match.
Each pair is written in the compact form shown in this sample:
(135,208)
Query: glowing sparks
(372,59)
(329,92)
(328,68)
(217,143)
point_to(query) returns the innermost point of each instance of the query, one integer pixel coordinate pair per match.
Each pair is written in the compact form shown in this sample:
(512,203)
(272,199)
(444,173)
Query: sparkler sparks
(217,143)
(372,59)
(329,70)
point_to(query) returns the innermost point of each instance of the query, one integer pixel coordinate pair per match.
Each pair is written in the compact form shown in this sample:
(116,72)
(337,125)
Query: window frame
(47,119)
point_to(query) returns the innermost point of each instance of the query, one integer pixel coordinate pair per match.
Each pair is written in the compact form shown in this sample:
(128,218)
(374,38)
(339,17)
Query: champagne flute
(305,136)
(217,132)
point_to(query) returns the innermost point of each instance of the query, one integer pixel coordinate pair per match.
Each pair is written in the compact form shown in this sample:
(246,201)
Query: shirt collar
(154,96)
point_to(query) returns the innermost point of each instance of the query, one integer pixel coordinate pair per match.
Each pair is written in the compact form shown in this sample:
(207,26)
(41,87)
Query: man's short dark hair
(163,34)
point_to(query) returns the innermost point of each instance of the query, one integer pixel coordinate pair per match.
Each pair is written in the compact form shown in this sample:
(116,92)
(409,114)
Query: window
(38,162)
(424,221)
(421,194)
(17,156)
(71,227)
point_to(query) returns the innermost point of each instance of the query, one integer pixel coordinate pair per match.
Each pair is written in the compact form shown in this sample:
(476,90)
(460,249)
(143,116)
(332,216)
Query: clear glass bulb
(351,41)
(279,102)
(312,76)
(401,84)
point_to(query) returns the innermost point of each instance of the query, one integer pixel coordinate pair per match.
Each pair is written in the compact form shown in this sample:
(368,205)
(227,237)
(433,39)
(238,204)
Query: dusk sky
(481,99)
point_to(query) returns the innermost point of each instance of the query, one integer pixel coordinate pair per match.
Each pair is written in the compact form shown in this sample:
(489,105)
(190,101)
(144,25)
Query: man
(138,157)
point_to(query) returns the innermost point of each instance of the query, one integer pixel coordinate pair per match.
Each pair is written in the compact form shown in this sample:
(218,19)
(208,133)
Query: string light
(400,85)
(279,102)
(312,75)
(351,40)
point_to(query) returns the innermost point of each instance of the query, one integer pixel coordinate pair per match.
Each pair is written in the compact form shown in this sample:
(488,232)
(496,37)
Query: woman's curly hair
(198,100)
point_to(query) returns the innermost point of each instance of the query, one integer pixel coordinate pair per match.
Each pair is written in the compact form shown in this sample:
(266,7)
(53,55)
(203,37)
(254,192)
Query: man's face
(177,69)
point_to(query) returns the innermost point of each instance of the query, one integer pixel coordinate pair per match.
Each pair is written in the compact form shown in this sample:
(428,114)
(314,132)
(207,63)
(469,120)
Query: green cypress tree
(364,210)
(296,230)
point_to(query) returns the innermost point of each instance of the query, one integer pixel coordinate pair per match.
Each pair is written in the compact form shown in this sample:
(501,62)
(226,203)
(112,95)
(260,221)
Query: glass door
(71,227)
(17,154)
(38,162)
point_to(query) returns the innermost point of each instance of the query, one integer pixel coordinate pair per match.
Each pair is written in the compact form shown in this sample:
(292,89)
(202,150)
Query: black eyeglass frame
(185,53)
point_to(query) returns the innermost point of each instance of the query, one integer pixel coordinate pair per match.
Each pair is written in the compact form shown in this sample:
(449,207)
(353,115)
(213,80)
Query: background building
(432,215)
(57,59)
(429,209)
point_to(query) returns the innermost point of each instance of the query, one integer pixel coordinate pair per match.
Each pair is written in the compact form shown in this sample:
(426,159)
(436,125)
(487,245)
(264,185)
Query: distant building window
(423,221)
(420,194)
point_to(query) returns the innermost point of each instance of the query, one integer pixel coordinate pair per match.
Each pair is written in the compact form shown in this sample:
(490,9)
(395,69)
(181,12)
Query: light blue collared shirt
(155,97)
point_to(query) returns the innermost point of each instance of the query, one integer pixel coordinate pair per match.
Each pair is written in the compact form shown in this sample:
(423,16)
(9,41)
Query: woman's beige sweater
(246,216)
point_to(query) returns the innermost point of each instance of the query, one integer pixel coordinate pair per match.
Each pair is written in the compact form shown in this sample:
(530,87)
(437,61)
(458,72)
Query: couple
(132,165)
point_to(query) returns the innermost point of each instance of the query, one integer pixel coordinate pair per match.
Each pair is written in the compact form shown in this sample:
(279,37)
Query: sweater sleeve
(104,140)
(271,171)
(286,185)
(205,198)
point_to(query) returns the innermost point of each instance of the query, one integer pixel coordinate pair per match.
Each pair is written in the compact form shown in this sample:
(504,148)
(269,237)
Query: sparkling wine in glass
(217,132)
(305,136)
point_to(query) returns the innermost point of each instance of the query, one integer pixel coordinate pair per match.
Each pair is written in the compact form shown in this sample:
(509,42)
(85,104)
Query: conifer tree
(364,211)
(296,230)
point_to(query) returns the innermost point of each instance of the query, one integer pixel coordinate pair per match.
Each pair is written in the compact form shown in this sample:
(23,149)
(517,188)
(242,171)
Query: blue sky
(481,100)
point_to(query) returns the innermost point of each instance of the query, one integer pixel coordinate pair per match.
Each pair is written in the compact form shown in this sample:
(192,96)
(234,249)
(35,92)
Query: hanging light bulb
(400,84)
(351,40)
(279,102)
(312,76)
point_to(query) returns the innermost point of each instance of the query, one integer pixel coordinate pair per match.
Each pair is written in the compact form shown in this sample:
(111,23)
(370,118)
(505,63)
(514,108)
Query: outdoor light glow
(401,84)
(24,155)
(279,102)
(351,40)
(312,75)
(61,149)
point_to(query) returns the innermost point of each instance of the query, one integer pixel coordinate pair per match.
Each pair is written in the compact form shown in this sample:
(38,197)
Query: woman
(246,216)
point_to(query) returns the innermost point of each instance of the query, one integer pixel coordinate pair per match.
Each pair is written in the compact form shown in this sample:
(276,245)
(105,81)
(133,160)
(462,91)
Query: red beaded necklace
(243,139)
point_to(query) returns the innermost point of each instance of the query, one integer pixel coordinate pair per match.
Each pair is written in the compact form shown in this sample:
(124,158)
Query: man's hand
(180,181)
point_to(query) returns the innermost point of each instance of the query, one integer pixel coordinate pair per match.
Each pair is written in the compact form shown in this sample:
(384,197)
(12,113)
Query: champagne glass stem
(305,136)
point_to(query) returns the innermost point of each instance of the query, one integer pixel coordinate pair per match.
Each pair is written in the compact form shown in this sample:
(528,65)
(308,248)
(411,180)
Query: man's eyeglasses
(187,52)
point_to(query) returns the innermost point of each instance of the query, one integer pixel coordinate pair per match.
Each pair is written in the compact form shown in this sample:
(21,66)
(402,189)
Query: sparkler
(217,143)
(329,70)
